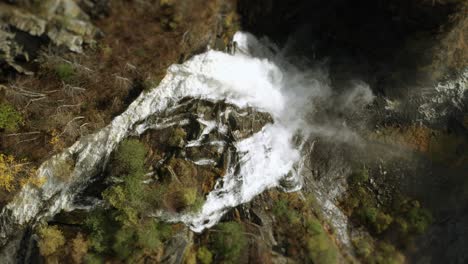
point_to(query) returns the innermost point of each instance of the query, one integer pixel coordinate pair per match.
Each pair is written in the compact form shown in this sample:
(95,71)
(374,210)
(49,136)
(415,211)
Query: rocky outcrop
(177,247)
(60,22)
(194,144)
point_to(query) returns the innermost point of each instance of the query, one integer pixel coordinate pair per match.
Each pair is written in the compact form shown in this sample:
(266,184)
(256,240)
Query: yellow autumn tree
(79,248)
(14,171)
(51,239)
(8,170)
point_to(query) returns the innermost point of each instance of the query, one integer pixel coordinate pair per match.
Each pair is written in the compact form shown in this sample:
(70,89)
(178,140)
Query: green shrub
(359,177)
(149,235)
(191,200)
(230,241)
(386,254)
(123,240)
(314,227)
(369,214)
(377,220)
(123,230)
(135,189)
(197,205)
(190,257)
(129,197)
(320,250)
(130,156)
(204,255)
(402,226)
(189,195)
(101,227)
(64,71)
(382,222)
(377,253)
(400,213)
(419,219)
(319,246)
(93,259)
(10,119)
(364,247)
(282,209)
(115,196)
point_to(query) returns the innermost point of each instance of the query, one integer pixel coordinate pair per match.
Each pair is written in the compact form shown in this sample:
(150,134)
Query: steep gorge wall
(387,43)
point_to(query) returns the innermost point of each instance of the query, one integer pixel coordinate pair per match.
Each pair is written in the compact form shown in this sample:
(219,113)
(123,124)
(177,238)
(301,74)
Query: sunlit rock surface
(61,22)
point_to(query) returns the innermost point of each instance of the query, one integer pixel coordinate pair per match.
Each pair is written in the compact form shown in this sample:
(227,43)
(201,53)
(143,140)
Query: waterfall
(254,76)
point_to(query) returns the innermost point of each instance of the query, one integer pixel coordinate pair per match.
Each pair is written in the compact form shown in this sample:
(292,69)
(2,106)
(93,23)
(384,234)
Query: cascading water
(255,76)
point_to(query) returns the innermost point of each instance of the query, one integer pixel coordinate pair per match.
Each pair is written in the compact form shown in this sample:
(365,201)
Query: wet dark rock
(196,140)
(201,130)
(176,247)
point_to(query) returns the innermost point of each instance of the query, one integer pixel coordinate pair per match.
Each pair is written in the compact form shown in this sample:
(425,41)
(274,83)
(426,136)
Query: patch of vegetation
(192,199)
(13,171)
(282,209)
(377,252)
(100,226)
(79,248)
(411,218)
(93,259)
(50,240)
(301,231)
(204,255)
(125,230)
(130,157)
(396,222)
(64,71)
(10,118)
(321,249)
(111,235)
(182,192)
(439,146)
(229,241)
(190,256)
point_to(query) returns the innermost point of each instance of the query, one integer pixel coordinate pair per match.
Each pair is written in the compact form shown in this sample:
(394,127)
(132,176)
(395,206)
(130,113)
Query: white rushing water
(445,97)
(250,77)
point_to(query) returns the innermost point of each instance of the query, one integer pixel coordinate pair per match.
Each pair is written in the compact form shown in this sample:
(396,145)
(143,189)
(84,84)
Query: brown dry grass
(134,52)
(438,146)
(414,137)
